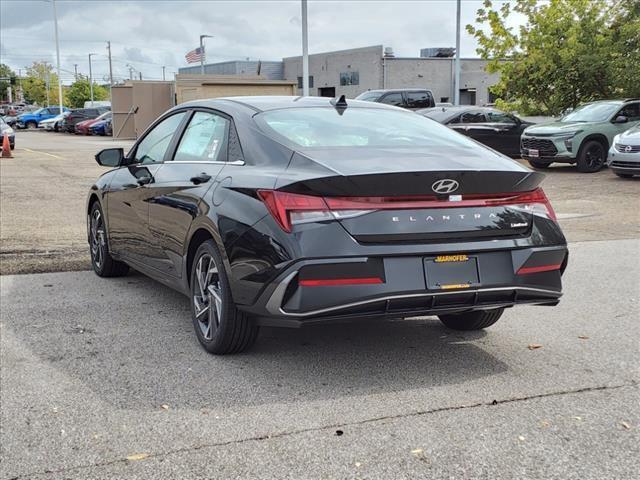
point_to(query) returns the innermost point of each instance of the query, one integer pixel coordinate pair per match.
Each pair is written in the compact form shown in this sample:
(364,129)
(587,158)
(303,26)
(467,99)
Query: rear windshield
(356,127)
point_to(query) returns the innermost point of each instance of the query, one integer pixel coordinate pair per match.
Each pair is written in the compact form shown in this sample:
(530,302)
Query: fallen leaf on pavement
(578,418)
(583,337)
(137,456)
(534,346)
(417,451)
(164,407)
(625,425)
(545,423)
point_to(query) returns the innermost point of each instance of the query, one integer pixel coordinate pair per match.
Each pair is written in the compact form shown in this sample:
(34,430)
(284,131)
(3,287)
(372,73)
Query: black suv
(410,98)
(80,115)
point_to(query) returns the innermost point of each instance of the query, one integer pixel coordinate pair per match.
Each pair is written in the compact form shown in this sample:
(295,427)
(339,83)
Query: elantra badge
(445,185)
(628,149)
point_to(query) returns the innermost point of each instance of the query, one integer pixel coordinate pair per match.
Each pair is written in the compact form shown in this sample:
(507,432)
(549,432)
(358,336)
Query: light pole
(91,78)
(456,81)
(163,68)
(305,51)
(55,25)
(202,37)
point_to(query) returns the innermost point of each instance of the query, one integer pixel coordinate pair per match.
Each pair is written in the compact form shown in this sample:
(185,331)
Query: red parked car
(82,128)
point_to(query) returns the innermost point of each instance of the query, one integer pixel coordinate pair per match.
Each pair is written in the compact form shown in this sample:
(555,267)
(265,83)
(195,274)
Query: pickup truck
(33,119)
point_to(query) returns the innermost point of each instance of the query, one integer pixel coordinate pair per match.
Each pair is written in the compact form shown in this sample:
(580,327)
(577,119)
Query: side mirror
(110,157)
(620,119)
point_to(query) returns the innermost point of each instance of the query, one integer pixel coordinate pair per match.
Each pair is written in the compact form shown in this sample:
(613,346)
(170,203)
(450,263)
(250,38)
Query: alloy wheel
(595,156)
(97,238)
(207,296)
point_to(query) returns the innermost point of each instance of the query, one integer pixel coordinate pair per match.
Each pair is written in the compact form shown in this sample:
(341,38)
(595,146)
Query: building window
(444,99)
(349,78)
(310,81)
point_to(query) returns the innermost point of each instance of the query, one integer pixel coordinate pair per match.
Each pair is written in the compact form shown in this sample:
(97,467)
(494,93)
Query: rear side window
(394,99)
(419,100)
(494,116)
(154,145)
(205,139)
(472,117)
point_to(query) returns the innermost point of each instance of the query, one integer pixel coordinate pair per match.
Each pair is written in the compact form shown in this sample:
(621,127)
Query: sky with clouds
(152,33)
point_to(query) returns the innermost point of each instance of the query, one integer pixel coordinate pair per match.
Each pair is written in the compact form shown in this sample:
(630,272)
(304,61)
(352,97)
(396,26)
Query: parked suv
(33,119)
(582,137)
(80,115)
(410,98)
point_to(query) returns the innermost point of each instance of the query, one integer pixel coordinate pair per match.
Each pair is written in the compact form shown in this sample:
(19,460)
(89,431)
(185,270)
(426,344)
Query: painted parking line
(44,153)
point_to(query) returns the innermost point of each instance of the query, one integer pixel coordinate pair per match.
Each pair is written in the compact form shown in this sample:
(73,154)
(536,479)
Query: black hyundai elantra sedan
(292,211)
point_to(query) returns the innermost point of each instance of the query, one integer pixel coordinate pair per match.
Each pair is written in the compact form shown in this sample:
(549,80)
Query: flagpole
(202,37)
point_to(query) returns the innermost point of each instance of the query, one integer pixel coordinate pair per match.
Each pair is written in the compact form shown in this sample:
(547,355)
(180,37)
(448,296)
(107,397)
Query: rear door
(176,198)
(471,123)
(501,132)
(129,191)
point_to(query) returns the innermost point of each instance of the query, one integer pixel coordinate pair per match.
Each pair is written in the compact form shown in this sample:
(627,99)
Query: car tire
(12,147)
(31,125)
(103,263)
(591,157)
(476,320)
(538,164)
(220,327)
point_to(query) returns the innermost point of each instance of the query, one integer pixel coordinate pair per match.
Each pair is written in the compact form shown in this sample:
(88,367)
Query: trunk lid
(408,196)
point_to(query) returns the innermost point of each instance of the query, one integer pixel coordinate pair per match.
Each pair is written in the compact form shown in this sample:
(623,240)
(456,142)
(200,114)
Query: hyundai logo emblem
(445,185)
(628,148)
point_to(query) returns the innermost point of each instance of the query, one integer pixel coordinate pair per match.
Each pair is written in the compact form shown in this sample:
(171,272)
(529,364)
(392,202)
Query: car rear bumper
(505,278)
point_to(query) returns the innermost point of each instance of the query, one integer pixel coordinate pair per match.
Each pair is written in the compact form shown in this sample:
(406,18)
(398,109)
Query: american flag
(195,55)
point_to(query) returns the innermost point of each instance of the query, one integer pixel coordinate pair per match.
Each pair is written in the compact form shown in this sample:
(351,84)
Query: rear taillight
(290,209)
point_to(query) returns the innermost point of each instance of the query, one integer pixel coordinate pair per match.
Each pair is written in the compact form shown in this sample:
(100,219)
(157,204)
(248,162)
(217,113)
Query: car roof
(265,103)
(386,90)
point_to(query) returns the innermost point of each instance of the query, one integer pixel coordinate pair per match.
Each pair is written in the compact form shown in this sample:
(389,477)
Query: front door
(199,157)
(129,193)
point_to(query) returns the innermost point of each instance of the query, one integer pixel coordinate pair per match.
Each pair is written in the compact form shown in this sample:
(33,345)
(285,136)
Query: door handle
(201,178)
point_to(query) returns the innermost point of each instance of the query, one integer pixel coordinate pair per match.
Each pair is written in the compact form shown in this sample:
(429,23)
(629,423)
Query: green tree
(566,53)
(6,72)
(79,92)
(34,84)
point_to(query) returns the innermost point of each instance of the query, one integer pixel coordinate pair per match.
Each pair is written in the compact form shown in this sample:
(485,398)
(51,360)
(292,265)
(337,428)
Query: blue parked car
(103,127)
(33,119)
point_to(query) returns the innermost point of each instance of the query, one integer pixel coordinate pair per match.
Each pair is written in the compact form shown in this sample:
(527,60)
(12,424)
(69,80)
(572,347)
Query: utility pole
(75,67)
(110,68)
(202,37)
(55,24)
(48,81)
(91,78)
(163,67)
(456,81)
(140,73)
(305,51)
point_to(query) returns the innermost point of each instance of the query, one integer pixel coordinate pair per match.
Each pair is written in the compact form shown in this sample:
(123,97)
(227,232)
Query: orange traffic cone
(6,148)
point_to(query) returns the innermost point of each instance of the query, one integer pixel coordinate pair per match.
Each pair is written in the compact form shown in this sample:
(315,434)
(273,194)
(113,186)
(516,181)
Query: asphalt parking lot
(104,378)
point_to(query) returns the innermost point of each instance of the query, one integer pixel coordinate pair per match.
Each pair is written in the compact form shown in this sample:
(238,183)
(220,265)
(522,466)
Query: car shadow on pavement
(135,346)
